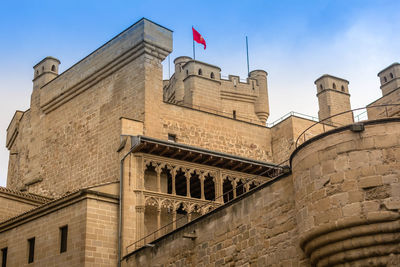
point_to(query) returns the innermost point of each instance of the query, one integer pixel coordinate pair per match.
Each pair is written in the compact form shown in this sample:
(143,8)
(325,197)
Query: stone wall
(256,229)
(285,135)
(392,99)
(12,205)
(91,240)
(213,132)
(347,194)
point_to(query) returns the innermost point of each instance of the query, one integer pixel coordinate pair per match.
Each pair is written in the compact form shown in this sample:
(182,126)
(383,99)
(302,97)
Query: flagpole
(247,52)
(194,52)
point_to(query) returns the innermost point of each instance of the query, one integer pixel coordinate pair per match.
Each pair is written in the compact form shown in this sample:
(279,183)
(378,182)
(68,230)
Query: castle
(112,166)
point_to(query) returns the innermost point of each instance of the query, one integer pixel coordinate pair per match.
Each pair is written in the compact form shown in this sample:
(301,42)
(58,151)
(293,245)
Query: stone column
(218,187)
(201,177)
(173,174)
(140,224)
(234,184)
(247,186)
(174,219)
(158,170)
(158,234)
(188,174)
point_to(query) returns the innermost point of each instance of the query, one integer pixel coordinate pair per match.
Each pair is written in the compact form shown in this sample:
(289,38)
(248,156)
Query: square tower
(333,98)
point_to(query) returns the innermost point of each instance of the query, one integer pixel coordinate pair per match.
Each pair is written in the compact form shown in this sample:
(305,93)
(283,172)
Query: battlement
(199,84)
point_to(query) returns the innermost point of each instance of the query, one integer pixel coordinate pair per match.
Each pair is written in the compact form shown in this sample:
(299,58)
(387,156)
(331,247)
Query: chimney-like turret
(390,78)
(45,71)
(333,98)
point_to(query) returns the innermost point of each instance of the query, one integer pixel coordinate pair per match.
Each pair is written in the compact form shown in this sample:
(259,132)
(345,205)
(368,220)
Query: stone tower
(45,71)
(261,106)
(333,98)
(390,78)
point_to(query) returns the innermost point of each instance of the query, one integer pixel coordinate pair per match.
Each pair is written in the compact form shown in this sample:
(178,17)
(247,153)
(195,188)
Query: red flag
(198,38)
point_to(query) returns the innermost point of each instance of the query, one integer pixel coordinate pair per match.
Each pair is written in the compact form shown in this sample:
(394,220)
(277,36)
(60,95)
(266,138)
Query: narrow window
(234,114)
(200,72)
(334,86)
(53,68)
(31,247)
(385,79)
(172,137)
(187,72)
(212,75)
(391,76)
(252,84)
(321,87)
(342,88)
(42,68)
(4,257)
(37,72)
(63,238)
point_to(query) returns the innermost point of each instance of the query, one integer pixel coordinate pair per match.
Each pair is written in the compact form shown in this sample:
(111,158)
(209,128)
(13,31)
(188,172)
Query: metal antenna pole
(247,52)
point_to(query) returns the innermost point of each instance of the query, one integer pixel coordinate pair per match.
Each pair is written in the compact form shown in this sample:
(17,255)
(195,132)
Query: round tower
(261,106)
(179,76)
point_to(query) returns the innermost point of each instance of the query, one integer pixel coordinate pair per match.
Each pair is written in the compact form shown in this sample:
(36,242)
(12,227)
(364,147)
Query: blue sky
(294,41)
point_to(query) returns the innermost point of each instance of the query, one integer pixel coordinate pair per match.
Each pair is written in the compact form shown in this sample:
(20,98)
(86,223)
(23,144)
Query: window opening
(4,257)
(63,240)
(234,114)
(209,188)
(31,247)
(200,72)
(212,75)
(239,188)
(334,86)
(195,186)
(180,183)
(227,187)
(53,68)
(172,137)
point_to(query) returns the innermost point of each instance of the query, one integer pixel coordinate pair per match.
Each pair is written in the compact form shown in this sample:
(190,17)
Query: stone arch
(152,201)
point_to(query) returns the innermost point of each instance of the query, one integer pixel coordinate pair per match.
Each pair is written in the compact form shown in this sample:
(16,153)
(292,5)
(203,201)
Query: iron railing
(362,116)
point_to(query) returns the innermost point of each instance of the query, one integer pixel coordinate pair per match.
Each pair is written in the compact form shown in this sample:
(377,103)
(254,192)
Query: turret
(261,106)
(333,98)
(45,71)
(390,78)
(179,76)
